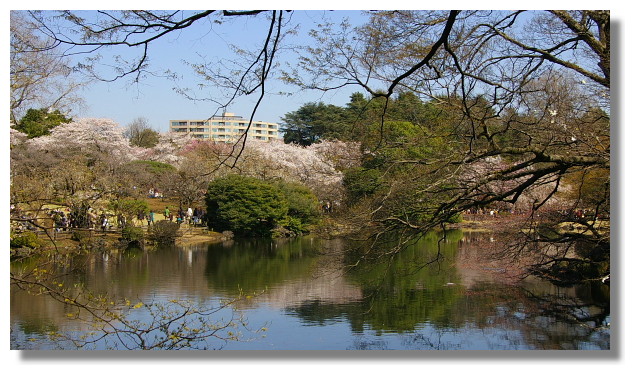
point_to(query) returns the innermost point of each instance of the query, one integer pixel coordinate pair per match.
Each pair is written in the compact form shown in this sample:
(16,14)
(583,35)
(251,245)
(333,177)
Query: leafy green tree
(303,210)
(246,205)
(141,134)
(253,207)
(147,138)
(39,122)
(313,122)
(361,182)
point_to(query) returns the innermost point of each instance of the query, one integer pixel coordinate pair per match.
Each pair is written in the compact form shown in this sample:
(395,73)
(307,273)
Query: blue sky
(155,98)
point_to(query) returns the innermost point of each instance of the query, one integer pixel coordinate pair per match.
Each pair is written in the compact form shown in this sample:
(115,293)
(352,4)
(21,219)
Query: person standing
(166,213)
(121,220)
(190,213)
(104,222)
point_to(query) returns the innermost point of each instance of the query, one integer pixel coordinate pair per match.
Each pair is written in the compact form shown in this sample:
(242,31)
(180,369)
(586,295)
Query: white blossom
(313,166)
(169,148)
(16,137)
(102,135)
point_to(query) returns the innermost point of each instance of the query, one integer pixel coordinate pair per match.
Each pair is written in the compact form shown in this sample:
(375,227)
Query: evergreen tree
(39,122)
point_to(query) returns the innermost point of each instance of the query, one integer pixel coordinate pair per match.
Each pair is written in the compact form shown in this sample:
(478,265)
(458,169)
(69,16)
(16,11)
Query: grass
(158,204)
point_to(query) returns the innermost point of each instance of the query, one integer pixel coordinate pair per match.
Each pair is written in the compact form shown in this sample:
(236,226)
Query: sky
(155,99)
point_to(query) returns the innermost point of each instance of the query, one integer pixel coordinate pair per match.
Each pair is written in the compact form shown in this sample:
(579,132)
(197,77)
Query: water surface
(305,297)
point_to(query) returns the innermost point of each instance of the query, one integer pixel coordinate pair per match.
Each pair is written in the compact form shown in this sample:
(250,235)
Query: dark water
(299,291)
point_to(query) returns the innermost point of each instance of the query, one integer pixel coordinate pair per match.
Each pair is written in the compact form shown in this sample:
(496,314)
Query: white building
(226,128)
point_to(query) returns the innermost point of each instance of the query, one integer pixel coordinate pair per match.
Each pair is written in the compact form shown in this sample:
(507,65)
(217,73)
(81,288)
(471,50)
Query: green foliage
(133,234)
(146,138)
(25,239)
(591,186)
(398,141)
(314,121)
(154,166)
(250,266)
(301,202)
(288,227)
(84,238)
(361,182)
(456,218)
(164,231)
(244,205)
(39,122)
(252,207)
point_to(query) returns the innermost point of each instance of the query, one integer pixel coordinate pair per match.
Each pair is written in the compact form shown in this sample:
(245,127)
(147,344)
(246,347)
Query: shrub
(133,234)
(456,218)
(164,231)
(302,205)
(25,239)
(289,227)
(155,167)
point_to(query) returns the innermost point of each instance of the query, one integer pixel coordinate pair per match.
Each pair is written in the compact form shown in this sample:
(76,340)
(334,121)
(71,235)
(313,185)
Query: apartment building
(226,128)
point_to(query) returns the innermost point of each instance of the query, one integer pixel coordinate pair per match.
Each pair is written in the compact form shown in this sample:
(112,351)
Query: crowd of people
(83,216)
(493,212)
(189,216)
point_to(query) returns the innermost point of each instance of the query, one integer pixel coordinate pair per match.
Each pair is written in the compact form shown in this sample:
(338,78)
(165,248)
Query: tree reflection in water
(450,304)
(416,300)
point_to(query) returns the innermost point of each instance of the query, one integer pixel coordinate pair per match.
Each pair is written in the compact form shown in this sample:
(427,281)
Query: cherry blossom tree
(318,166)
(89,134)
(168,149)
(16,137)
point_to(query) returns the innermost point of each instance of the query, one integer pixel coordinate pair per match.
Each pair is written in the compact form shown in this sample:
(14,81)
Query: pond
(297,294)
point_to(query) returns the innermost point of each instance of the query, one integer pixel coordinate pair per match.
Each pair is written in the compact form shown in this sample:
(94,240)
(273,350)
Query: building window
(226,128)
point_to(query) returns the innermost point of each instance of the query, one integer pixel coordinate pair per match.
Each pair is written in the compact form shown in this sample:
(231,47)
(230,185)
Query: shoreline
(213,237)
(196,235)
